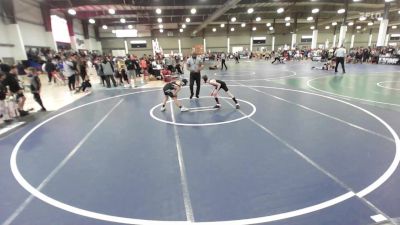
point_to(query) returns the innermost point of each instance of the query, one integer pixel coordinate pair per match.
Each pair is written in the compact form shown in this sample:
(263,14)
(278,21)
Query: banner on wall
(60,29)
(118,52)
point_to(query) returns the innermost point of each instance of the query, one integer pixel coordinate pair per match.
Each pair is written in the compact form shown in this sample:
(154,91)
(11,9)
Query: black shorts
(169,92)
(224,87)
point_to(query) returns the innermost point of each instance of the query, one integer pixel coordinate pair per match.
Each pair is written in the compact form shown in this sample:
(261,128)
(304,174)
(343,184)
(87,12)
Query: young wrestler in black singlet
(171,90)
(219,84)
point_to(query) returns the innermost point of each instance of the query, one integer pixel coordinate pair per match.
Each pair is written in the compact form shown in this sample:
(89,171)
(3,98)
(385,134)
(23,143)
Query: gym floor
(307,147)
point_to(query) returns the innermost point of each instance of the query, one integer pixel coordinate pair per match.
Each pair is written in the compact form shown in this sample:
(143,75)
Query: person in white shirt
(223,58)
(194,65)
(70,72)
(340,55)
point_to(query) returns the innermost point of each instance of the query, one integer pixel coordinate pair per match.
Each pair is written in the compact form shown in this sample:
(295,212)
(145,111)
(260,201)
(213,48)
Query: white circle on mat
(263,219)
(204,124)
(381,84)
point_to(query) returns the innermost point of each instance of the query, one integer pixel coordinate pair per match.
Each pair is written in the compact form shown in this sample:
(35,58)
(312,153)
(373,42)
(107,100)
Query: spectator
(11,80)
(36,86)
(70,72)
(50,69)
(107,69)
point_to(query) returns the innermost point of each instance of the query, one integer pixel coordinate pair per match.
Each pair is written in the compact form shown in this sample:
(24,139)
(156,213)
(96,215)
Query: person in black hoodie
(36,86)
(11,80)
(137,66)
(50,69)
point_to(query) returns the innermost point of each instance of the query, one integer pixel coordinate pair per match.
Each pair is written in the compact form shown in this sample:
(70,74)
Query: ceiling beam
(219,12)
(110,4)
(349,17)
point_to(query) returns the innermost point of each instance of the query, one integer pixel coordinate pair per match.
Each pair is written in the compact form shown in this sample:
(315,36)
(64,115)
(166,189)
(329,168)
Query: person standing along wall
(108,70)
(69,72)
(36,86)
(130,66)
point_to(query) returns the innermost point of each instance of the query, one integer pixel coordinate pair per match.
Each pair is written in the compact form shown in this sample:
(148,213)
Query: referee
(340,55)
(194,65)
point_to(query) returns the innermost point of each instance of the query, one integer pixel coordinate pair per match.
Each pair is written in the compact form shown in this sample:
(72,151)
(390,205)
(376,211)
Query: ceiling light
(315,11)
(72,12)
(92,21)
(258,19)
(327,27)
(193,11)
(183,26)
(233,19)
(350,24)
(362,18)
(181,30)
(380,18)
(287,18)
(394,27)
(111,11)
(250,10)
(358,27)
(334,23)
(312,27)
(161,30)
(130,26)
(214,29)
(398,12)
(271,28)
(370,23)
(341,11)
(188,20)
(268,24)
(243,25)
(232,29)
(280,10)
(105,27)
(254,28)
(123,20)
(388,0)
(310,18)
(161,26)
(222,25)
(159,20)
(287,24)
(158,11)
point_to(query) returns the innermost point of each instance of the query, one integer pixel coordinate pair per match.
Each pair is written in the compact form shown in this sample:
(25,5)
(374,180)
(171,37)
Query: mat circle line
(203,124)
(344,96)
(280,216)
(380,84)
(269,79)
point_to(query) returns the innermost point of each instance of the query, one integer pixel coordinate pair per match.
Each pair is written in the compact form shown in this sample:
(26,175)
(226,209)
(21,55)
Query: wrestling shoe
(163,108)
(183,109)
(217,106)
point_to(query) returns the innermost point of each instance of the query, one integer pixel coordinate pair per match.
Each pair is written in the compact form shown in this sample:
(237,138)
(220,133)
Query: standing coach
(194,65)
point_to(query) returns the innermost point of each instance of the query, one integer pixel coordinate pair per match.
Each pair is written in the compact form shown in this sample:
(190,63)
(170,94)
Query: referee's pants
(341,61)
(194,76)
